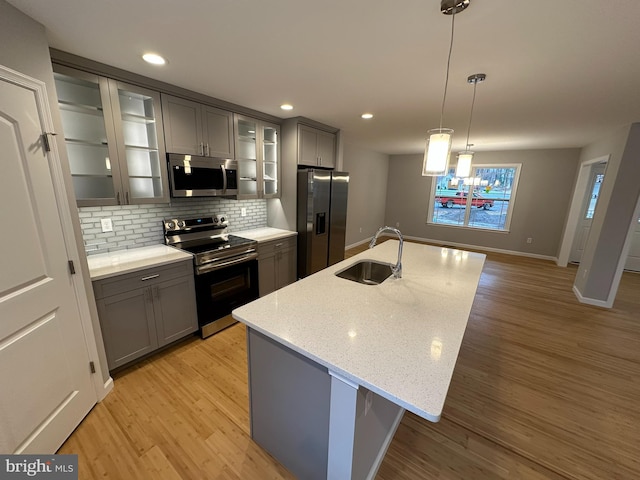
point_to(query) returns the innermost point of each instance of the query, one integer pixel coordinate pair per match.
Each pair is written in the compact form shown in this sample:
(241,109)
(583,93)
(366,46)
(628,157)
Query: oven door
(192,176)
(221,288)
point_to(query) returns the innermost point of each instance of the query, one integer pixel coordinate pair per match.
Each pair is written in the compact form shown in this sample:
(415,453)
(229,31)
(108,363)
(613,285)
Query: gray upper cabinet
(191,128)
(114,139)
(316,148)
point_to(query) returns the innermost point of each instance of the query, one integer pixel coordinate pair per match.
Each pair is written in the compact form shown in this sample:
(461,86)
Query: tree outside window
(482,201)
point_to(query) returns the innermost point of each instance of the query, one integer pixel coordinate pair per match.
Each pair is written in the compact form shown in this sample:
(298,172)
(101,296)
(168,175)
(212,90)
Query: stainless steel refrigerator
(322,219)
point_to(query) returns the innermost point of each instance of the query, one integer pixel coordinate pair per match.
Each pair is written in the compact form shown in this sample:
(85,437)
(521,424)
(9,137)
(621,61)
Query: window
(482,201)
(595,193)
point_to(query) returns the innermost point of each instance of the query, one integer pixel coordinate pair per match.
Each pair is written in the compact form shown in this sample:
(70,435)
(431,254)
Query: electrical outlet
(107,225)
(529,240)
(243,212)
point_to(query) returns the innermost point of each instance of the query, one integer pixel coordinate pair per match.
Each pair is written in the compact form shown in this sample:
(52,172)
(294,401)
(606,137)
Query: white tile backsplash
(141,225)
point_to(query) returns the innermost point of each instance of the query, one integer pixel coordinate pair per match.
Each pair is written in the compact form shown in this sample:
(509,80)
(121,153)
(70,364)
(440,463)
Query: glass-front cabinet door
(89,134)
(258,156)
(247,156)
(114,139)
(140,144)
(270,134)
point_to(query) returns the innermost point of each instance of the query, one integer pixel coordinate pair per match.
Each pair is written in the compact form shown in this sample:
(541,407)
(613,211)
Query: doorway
(633,260)
(592,193)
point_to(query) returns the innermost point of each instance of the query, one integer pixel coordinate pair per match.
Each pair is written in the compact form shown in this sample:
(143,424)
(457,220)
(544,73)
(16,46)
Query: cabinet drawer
(272,246)
(142,278)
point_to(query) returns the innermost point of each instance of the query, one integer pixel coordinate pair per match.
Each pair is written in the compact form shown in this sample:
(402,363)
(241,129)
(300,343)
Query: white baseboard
(481,248)
(591,301)
(108,386)
(460,245)
(357,244)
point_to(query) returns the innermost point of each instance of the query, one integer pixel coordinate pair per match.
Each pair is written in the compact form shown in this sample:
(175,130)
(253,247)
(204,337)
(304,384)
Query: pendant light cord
(475,84)
(446,80)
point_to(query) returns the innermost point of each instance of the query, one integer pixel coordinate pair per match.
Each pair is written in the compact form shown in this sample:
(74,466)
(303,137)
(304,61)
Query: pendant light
(438,146)
(465,158)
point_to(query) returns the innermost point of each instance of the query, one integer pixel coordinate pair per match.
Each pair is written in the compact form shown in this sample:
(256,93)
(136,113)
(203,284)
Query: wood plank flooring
(544,388)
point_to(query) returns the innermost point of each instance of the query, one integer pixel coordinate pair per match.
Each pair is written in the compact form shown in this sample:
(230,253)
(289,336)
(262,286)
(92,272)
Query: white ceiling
(560,73)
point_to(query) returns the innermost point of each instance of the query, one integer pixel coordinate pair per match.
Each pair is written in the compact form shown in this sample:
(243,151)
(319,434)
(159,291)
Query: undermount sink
(366,272)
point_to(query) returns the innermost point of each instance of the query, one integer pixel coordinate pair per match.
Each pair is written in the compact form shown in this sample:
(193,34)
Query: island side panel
(377,420)
(290,397)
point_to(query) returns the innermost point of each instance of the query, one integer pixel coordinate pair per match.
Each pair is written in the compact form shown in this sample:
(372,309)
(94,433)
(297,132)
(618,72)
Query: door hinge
(92,367)
(45,141)
(72,268)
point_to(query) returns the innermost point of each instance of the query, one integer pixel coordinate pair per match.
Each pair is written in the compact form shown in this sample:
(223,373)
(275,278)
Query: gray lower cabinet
(277,265)
(145,310)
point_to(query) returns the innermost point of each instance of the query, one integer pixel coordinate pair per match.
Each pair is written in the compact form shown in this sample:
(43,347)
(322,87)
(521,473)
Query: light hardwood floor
(544,388)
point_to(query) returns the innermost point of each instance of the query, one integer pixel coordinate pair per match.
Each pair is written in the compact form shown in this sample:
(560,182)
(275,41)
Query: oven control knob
(181,224)
(171,225)
(215,219)
(222,219)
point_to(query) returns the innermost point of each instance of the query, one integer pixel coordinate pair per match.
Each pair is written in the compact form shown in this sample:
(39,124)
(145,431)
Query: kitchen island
(333,364)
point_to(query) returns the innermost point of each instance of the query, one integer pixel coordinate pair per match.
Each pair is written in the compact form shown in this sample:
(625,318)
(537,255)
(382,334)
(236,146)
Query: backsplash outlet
(140,225)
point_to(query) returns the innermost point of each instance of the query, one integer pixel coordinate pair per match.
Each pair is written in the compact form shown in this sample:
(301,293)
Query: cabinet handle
(201,149)
(278,245)
(118,198)
(149,277)
(126,196)
(207,154)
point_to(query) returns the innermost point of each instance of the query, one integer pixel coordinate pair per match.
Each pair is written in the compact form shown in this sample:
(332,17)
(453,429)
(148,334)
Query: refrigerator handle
(321,224)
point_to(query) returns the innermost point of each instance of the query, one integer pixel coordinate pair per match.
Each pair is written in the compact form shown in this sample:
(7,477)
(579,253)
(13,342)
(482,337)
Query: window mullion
(467,211)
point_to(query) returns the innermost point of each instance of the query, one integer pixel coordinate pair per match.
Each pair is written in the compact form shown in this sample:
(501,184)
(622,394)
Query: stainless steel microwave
(194,176)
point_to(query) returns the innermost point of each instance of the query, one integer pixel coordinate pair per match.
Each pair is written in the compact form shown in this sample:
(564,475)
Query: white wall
(368,173)
(539,210)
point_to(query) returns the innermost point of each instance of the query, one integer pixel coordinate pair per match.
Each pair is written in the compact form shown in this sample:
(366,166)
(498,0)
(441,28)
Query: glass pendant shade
(436,153)
(463,169)
(472,181)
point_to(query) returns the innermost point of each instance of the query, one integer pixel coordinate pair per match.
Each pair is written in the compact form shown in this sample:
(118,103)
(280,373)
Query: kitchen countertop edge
(121,262)
(265,234)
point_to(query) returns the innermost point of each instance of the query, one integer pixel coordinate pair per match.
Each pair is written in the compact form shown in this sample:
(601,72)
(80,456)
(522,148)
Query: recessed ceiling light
(153,59)
(367,116)
(286,106)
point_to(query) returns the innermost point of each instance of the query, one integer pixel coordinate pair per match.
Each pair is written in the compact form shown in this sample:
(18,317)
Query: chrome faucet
(397,269)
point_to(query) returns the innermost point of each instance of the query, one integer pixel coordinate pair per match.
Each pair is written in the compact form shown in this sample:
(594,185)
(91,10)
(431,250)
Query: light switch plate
(107,226)
(243,212)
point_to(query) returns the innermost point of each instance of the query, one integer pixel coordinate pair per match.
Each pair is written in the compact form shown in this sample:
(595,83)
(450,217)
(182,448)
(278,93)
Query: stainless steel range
(226,267)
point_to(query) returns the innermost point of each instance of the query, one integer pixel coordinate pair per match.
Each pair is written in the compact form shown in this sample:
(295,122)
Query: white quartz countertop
(104,265)
(399,339)
(265,234)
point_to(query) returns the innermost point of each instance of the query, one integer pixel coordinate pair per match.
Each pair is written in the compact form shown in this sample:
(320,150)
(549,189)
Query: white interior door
(588,208)
(633,260)
(45,383)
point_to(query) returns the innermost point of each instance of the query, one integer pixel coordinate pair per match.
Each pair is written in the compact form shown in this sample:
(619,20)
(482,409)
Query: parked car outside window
(460,198)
